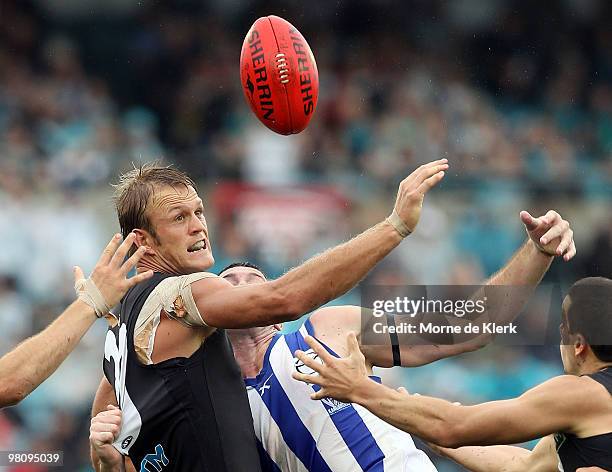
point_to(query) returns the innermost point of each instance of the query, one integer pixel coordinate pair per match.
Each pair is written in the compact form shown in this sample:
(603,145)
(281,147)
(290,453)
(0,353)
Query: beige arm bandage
(172,296)
(87,291)
(399,225)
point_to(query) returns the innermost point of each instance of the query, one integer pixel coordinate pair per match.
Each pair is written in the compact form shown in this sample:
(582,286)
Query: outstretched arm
(322,278)
(34,360)
(553,406)
(543,457)
(525,269)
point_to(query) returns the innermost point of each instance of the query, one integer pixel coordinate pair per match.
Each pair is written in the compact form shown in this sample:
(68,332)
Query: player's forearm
(489,458)
(525,268)
(335,271)
(506,293)
(103,467)
(104,396)
(30,363)
(429,418)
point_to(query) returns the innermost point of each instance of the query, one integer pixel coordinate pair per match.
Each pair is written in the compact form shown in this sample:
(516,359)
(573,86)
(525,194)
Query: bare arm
(557,405)
(526,268)
(105,427)
(320,279)
(543,457)
(34,360)
(105,395)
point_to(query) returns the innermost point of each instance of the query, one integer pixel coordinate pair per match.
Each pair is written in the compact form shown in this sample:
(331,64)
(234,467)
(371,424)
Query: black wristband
(395,348)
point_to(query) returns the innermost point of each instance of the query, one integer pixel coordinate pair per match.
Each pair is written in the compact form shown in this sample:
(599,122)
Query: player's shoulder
(197,281)
(575,383)
(339,319)
(565,384)
(194,276)
(579,394)
(330,325)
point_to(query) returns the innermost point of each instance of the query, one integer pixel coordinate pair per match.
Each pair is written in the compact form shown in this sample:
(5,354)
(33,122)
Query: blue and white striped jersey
(297,434)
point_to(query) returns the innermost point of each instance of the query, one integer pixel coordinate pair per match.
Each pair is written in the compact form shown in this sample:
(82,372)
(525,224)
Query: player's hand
(338,378)
(413,188)
(551,234)
(105,428)
(590,469)
(111,272)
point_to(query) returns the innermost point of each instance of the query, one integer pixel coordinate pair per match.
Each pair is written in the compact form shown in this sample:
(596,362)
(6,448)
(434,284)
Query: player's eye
(179,218)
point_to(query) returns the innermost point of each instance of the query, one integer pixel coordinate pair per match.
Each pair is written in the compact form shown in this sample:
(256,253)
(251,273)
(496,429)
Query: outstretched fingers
(529,221)
(560,227)
(131,262)
(571,252)
(424,171)
(430,170)
(317,347)
(110,250)
(122,250)
(139,278)
(566,241)
(309,361)
(78,274)
(551,217)
(352,344)
(430,182)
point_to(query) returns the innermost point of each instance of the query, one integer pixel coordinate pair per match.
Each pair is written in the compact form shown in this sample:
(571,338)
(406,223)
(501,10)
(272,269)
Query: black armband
(395,348)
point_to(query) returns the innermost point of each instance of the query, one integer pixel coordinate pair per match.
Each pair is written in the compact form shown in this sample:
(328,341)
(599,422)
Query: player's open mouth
(199,246)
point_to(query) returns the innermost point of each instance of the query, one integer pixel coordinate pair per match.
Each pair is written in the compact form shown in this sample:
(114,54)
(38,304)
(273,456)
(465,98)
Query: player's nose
(197,225)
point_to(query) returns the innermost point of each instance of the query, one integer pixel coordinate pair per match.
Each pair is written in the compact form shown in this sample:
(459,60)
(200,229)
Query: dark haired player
(297,434)
(573,412)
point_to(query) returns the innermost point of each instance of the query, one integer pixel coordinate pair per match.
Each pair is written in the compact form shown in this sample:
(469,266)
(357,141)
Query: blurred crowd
(517,96)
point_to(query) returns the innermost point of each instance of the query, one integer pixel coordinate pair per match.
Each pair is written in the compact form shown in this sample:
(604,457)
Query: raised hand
(110,275)
(337,377)
(551,234)
(412,191)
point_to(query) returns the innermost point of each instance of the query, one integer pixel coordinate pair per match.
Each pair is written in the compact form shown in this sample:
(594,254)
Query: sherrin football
(279,75)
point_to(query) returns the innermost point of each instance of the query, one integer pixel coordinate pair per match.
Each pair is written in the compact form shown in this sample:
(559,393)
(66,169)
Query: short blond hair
(135,188)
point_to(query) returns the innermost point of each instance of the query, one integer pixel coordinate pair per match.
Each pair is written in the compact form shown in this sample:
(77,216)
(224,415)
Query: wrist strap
(399,225)
(88,292)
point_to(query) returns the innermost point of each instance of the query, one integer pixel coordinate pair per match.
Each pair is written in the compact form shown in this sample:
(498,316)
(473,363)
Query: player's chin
(200,260)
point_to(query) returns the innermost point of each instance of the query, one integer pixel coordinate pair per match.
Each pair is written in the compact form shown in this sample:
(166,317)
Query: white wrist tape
(88,292)
(399,225)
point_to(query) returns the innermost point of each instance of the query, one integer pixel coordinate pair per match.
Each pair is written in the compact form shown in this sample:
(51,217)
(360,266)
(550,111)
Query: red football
(279,75)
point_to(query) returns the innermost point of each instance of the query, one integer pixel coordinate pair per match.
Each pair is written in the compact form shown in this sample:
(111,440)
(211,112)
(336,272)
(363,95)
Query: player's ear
(143,238)
(580,345)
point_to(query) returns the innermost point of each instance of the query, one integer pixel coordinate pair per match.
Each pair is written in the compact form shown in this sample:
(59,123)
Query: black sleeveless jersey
(183,414)
(592,451)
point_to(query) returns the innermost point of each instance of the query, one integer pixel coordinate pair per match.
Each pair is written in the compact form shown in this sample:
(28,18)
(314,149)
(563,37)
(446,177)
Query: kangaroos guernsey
(297,434)
(577,452)
(183,414)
